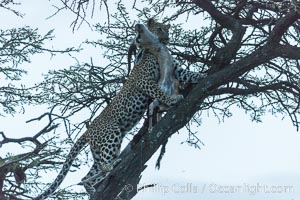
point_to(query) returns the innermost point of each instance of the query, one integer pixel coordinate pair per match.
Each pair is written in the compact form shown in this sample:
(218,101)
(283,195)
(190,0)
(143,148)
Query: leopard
(106,132)
(172,75)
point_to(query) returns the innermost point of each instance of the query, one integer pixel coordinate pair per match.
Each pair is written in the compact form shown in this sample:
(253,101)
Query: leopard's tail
(79,144)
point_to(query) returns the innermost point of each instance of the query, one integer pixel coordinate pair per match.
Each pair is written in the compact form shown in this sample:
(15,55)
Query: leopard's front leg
(150,88)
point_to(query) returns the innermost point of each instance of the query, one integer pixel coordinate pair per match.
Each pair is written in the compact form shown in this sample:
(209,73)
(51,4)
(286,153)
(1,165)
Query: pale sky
(240,159)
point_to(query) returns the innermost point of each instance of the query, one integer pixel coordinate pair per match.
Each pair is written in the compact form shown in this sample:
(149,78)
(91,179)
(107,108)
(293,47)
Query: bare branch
(7,4)
(282,25)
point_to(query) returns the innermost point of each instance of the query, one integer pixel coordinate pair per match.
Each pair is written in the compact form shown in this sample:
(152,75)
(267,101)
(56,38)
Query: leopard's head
(159,29)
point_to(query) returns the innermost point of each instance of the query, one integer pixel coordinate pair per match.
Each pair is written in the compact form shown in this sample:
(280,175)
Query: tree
(249,49)
(17,46)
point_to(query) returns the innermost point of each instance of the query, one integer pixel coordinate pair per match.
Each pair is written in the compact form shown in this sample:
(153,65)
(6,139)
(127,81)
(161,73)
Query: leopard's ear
(168,26)
(150,21)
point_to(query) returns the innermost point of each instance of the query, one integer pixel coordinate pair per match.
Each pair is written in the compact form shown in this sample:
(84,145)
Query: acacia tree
(249,49)
(17,46)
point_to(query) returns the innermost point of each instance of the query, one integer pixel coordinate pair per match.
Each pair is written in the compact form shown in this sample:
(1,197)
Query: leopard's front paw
(177,99)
